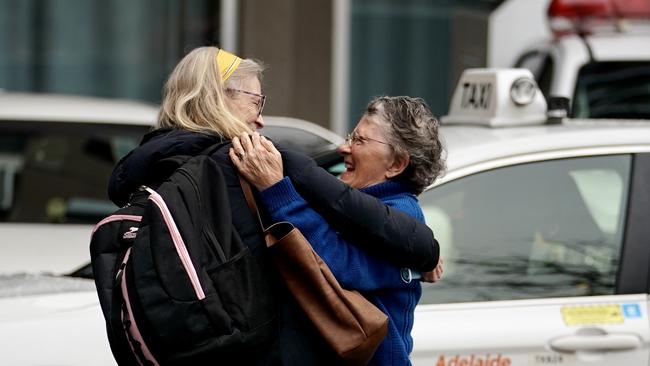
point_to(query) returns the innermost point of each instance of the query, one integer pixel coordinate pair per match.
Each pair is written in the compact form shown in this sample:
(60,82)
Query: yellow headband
(227,63)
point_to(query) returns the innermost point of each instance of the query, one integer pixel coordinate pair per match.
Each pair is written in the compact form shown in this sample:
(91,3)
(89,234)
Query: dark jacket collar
(139,166)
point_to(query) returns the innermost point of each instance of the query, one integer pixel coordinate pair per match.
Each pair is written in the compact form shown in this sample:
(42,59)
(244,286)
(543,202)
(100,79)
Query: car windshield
(613,90)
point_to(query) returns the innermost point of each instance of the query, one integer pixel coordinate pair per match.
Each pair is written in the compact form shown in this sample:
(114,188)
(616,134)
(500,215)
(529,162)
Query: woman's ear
(400,162)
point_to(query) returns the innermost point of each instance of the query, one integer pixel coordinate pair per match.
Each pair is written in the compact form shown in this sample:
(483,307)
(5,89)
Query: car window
(613,90)
(57,172)
(545,229)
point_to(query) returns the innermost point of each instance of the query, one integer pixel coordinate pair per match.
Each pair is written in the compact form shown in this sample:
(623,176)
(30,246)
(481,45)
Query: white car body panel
(301,124)
(68,108)
(520,332)
(24,250)
(614,47)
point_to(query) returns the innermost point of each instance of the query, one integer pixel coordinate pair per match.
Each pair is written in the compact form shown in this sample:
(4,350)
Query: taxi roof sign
(497,97)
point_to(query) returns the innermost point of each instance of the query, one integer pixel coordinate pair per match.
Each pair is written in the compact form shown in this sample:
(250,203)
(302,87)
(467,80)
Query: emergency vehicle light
(588,16)
(497,97)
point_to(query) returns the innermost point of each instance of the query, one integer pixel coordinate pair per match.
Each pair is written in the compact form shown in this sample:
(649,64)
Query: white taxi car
(599,57)
(543,227)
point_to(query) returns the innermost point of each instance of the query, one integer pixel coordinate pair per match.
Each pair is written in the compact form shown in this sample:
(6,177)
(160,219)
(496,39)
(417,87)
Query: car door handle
(604,342)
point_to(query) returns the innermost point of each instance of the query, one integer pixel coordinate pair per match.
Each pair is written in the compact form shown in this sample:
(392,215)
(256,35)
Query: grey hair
(247,69)
(413,131)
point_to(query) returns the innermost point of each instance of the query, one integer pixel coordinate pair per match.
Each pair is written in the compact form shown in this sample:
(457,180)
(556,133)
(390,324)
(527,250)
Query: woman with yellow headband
(213,96)
(212,90)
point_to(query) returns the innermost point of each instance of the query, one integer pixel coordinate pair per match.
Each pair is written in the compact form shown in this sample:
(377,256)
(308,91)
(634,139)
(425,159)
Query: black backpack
(176,283)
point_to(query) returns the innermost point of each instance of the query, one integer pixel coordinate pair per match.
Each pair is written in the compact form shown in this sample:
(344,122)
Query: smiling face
(246,102)
(368,157)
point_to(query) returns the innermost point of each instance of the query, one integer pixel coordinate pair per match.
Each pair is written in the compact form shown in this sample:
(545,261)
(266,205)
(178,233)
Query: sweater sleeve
(377,228)
(353,268)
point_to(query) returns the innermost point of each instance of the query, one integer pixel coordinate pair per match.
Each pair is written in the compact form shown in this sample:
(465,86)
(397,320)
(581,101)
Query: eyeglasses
(355,138)
(260,104)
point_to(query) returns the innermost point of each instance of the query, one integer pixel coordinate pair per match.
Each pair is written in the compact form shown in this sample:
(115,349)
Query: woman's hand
(257,160)
(435,275)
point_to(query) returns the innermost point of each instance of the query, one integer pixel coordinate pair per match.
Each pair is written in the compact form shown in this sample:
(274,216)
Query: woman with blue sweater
(393,154)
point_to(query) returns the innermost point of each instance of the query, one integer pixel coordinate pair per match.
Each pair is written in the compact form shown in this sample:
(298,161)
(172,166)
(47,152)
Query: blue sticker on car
(631,310)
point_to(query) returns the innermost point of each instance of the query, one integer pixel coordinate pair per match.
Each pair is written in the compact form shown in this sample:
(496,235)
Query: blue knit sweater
(376,279)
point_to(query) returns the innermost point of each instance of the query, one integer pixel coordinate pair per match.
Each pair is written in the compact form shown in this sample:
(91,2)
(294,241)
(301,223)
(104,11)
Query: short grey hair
(412,130)
(247,69)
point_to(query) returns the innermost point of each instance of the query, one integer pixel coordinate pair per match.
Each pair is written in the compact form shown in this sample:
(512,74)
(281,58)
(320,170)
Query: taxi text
(476,95)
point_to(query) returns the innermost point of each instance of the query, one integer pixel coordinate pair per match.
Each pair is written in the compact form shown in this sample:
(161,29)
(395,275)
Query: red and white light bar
(589,16)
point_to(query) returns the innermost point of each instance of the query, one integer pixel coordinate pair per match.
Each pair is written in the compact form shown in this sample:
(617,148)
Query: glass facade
(117,49)
(126,49)
(404,48)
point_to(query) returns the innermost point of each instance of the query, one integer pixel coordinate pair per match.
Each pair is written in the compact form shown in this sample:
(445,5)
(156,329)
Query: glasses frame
(261,103)
(353,137)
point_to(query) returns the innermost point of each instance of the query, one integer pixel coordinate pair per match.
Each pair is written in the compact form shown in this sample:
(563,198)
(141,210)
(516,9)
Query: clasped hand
(257,160)
(434,275)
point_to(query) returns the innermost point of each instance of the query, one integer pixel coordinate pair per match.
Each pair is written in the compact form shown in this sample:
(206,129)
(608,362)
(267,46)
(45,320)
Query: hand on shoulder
(257,160)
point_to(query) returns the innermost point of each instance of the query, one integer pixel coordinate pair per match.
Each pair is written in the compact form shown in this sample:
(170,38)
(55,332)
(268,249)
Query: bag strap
(250,200)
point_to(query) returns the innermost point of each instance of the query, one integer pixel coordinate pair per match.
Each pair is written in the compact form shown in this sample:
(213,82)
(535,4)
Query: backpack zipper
(216,248)
(179,244)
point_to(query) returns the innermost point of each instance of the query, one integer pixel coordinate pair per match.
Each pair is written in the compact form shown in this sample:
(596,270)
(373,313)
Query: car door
(534,256)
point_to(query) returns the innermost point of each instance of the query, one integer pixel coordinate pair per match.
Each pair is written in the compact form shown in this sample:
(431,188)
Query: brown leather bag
(348,322)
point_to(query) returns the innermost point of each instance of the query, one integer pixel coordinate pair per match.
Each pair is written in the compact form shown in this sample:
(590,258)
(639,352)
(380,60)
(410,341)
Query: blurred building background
(326,58)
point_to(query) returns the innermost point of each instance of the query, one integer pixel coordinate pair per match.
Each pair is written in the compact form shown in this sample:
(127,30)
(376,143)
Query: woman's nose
(259,122)
(344,148)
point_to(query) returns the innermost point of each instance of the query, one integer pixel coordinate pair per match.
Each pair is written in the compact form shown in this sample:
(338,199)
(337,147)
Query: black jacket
(388,232)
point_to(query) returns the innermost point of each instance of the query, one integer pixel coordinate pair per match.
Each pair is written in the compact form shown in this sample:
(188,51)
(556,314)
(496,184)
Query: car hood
(43,248)
(469,145)
(51,321)
(32,298)
(19,285)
